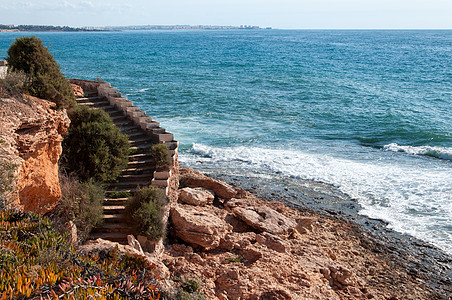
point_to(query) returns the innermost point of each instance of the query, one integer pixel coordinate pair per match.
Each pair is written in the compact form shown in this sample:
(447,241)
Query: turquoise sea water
(366,111)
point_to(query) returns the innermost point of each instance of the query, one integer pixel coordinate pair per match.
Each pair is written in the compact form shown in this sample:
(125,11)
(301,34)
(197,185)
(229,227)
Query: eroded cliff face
(31,134)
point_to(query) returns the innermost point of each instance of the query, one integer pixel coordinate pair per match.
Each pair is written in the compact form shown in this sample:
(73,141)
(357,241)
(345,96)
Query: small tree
(93,146)
(160,155)
(29,55)
(146,210)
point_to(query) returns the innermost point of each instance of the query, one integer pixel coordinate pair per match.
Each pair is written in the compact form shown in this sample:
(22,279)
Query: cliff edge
(31,134)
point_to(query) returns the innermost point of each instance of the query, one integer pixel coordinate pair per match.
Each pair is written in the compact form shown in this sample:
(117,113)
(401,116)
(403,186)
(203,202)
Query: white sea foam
(414,196)
(144,90)
(437,152)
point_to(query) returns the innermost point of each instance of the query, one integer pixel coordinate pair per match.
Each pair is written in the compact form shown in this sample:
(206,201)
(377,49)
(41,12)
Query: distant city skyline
(283,14)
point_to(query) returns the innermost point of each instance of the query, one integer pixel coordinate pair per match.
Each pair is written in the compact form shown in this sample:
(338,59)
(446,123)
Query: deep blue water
(366,111)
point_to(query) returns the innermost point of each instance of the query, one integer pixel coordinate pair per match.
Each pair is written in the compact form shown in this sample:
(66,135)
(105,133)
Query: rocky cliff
(31,134)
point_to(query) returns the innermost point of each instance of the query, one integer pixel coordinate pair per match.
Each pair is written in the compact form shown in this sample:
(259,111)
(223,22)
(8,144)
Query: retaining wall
(168,178)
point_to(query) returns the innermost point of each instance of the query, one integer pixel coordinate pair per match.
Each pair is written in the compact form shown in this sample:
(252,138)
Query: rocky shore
(236,245)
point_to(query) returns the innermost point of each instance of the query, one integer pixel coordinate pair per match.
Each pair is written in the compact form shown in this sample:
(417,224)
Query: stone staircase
(139,171)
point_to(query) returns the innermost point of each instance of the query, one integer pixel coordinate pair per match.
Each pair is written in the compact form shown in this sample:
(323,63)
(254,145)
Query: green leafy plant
(160,155)
(80,203)
(93,146)
(29,55)
(36,262)
(233,259)
(146,210)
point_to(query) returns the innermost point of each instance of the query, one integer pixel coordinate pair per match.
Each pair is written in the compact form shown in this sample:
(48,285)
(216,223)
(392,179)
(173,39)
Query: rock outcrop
(78,91)
(31,131)
(191,178)
(195,196)
(199,226)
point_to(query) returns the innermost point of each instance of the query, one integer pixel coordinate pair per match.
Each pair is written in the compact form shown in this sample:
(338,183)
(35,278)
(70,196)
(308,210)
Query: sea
(368,112)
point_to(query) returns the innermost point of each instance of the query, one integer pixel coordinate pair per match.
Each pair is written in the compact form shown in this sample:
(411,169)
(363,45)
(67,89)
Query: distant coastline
(49,28)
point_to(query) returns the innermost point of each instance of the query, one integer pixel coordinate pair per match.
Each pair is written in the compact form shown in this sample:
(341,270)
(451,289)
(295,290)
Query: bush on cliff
(145,208)
(80,203)
(7,190)
(93,146)
(29,55)
(13,85)
(160,155)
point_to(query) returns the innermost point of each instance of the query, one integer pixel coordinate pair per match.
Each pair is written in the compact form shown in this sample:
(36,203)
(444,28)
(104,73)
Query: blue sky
(294,14)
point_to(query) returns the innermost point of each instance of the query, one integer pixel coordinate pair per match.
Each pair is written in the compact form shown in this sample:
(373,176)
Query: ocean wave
(413,197)
(436,152)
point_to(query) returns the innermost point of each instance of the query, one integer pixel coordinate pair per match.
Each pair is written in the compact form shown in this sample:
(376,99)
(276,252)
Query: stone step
(139,141)
(143,146)
(139,163)
(115,202)
(90,99)
(111,236)
(114,209)
(130,128)
(119,118)
(143,176)
(115,218)
(113,227)
(124,123)
(144,171)
(137,134)
(130,190)
(139,156)
(114,113)
(129,184)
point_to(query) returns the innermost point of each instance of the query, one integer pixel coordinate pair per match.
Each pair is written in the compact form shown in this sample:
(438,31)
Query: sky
(283,14)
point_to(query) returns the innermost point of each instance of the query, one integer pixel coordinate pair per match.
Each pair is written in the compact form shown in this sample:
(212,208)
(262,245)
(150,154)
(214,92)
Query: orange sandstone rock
(32,133)
(78,91)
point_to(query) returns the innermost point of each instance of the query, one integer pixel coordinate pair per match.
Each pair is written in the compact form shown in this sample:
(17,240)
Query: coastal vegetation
(145,209)
(7,190)
(38,262)
(93,147)
(29,55)
(160,155)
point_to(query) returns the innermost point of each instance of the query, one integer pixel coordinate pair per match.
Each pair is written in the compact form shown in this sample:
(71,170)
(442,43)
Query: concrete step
(129,184)
(136,176)
(111,236)
(129,190)
(147,145)
(124,123)
(136,134)
(139,156)
(114,113)
(144,171)
(113,227)
(114,209)
(139,141)
(115,202)
(115,218)
(139,163)
(130,128)
(119,118)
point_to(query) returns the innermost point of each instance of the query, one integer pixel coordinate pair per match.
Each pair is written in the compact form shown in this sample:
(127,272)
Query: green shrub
(80,203)
(13,84)
(146,210)
(29,55)
(160,155)
(93,146)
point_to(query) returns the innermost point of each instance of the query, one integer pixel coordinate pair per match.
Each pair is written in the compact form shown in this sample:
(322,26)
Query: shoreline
(416,257)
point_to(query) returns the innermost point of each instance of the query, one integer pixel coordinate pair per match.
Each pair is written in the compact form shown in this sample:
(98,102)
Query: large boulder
(31,134)
(199,226)
(191,178)
(195,196)
(265,219)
